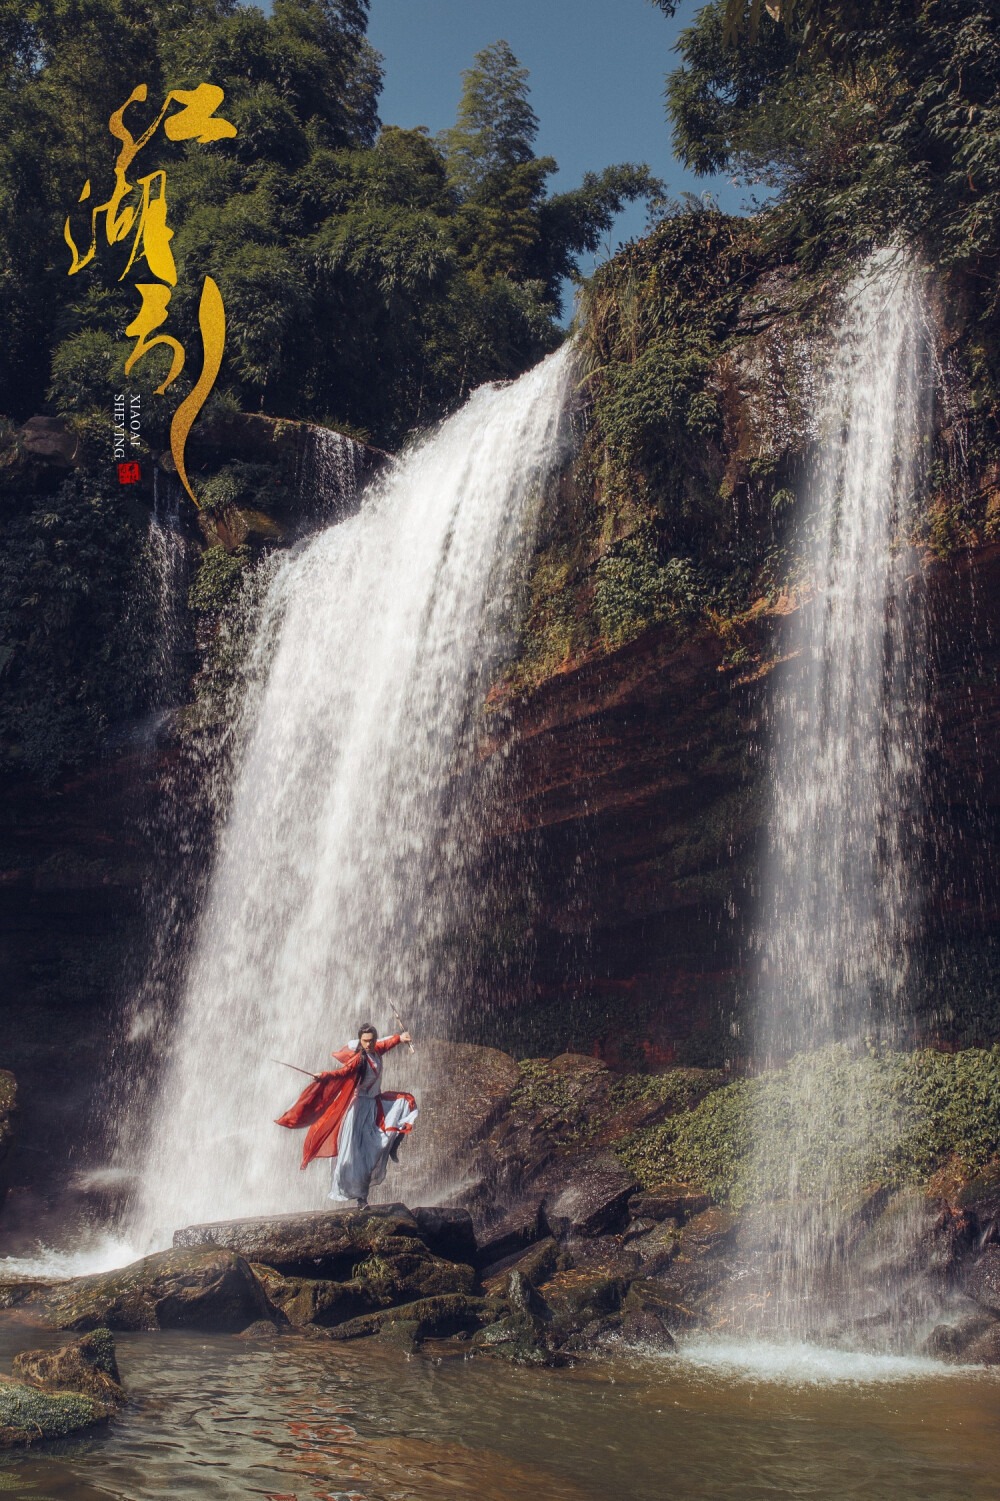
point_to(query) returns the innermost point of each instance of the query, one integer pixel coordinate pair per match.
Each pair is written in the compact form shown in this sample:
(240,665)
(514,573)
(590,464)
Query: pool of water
(214,1417)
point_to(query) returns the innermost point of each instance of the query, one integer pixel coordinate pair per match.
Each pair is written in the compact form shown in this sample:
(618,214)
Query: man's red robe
(323,1104)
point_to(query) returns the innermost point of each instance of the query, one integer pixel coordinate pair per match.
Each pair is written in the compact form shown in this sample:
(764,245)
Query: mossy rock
(203,1288)
(579,1296)
(426,1318)
(404,1272)
(28,1415)
(87,1366)
(518,1338)
(329,1243)
(536,1264)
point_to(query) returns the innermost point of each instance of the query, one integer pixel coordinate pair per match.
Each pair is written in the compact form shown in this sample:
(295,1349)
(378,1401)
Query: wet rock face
(8,1107)
(58,1392)
(594,1199)
(982,1280)
(203,1288)
(439,1317)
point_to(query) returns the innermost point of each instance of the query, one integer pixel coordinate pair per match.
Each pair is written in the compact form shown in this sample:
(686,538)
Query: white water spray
(841,885)
(332,880)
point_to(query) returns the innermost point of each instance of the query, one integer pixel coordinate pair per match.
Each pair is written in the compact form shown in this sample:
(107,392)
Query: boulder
(261,1329)
(310,1300)
(708,1232)
(675,1299)
(328,1243)
(647,1328)
(521,1227)
(671,1201)
(577,1297)
(88,1365)
(204,1288)
(594,1199)
(982,1280)
(658,1249)
(54,1393)
(951,1341)
(984,1350)
(449,1233)
(523,1335)
(535,1264)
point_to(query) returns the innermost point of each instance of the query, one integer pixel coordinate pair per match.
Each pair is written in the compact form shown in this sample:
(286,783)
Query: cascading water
(331,884)
(841,882)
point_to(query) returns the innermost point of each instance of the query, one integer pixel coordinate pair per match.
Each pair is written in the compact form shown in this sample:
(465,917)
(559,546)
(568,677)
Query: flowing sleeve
(386,1044)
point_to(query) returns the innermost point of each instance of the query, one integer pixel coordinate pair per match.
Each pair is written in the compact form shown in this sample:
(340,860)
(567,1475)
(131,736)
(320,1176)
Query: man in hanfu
(351,1119)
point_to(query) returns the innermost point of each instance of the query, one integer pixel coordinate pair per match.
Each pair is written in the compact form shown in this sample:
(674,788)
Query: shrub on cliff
(872,122)
(839,1121)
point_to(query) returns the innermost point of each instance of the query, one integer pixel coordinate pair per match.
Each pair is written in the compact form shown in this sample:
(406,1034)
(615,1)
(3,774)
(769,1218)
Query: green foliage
(77,616)
(633,590)
(875,122)
(219,578)
(678,1088)
(496,125)
(542,1092)
(842,1122)
(670,523)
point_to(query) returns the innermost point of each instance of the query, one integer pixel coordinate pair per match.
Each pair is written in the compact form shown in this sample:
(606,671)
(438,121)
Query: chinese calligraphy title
(195,120)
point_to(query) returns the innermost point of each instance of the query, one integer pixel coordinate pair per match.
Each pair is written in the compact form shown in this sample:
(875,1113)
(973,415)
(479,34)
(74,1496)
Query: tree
(508,226)
(496,126)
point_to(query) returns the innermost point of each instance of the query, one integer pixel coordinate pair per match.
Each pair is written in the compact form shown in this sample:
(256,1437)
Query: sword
(295,1067)
(402,1025)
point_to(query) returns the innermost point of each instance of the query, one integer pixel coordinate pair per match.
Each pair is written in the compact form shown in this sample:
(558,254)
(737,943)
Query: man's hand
(405,1037)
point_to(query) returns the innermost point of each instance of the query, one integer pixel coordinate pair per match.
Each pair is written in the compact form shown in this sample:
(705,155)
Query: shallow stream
(214,1417)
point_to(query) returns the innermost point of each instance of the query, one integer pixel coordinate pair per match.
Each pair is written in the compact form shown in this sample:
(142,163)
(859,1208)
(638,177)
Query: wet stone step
(326,1238)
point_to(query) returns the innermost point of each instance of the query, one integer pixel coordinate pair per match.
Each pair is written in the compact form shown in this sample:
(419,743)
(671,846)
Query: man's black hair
(366,1027)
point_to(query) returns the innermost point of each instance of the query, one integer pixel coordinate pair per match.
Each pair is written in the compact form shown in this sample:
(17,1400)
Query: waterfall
(332,881)
(841,881)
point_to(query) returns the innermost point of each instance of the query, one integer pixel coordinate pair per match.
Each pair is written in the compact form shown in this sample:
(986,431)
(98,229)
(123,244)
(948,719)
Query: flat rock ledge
(330,1238)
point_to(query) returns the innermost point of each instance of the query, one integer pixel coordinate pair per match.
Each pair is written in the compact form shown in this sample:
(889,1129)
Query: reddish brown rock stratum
(636,792)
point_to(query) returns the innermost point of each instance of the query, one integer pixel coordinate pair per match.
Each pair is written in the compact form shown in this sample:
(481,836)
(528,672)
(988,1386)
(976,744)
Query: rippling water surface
(301,1420)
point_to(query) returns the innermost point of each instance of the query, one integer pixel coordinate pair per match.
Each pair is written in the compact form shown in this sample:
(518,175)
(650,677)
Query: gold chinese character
(195,120)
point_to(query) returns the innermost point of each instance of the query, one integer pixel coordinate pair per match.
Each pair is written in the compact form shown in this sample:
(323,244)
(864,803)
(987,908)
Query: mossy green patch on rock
(27,1414)
(853,1120)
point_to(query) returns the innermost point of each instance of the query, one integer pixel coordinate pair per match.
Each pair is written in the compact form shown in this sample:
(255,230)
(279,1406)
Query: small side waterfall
(332,880)
(841,884)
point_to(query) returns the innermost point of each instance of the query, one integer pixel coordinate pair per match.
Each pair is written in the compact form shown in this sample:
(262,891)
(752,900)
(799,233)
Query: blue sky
(597,72)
